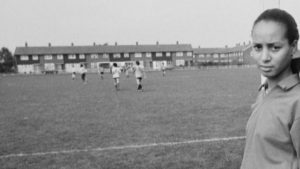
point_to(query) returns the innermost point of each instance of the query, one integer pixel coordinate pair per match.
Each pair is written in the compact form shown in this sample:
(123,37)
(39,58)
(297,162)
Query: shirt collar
(285,84)
(289,82)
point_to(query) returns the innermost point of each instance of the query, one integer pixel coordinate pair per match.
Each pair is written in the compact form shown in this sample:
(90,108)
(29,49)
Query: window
(222,55)
(148,55)
(94,56)
(24,57)
(215,55)
(179,62)
(72,56)
(168,54)
(201,56)
(189,54)
(138,55)
(49,66)
(117,55)
(126,55)
(105,56)
(60,57)
(94,65)
(158,54)
(48,57)
(81,56)
(35,57)
(179,54)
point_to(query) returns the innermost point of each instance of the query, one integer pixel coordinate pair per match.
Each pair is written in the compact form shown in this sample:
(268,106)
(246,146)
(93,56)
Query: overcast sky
(205,23)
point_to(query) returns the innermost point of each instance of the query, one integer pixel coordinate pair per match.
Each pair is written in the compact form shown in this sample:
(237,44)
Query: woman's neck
(273,81)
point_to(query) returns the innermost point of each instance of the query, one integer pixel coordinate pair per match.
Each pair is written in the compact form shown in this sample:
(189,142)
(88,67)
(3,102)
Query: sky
(204,23)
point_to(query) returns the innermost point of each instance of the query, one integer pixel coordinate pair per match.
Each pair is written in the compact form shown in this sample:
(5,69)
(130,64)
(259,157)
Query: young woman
(273,129)
(116,71)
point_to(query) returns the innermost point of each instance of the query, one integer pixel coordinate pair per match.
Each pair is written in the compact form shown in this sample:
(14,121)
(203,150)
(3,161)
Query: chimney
(116,44)
(199,47)
(137,43)
(177,42)
(26,44)
(244,43)
(226,46)
(49,44)
(157,43)
(94,44)
(72,44)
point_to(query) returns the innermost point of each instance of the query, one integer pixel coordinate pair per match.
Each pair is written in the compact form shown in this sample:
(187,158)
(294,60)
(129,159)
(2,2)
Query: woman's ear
(294,47)
(295,63)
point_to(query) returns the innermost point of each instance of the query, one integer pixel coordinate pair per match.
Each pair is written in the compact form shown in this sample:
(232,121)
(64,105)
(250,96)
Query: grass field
(45,113)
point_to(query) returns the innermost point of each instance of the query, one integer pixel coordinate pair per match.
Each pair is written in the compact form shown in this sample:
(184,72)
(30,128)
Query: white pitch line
(122,147)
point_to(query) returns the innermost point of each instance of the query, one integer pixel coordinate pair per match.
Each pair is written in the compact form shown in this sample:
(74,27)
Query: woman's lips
(265,68)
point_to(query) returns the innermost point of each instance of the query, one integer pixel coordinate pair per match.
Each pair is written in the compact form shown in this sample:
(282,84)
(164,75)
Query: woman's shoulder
(295,96)
(296,90)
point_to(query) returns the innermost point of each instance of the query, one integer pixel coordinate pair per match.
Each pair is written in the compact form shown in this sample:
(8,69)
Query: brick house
(68,58)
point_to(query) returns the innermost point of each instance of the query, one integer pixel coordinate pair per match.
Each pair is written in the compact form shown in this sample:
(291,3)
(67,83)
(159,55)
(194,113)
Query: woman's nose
(265,55)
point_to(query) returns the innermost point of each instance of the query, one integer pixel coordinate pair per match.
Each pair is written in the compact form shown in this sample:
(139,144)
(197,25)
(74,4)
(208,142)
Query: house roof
(101,49)
(209,50)
(221,50)
(239,48)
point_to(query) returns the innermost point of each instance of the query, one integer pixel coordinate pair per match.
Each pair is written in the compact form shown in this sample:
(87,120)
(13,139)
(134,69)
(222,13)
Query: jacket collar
(285,84)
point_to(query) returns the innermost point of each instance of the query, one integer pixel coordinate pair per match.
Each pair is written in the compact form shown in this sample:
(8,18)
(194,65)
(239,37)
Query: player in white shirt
(139,73)
(116,71)
(83,71)
(163,69)
(101,71)
(73,75)
(127,68)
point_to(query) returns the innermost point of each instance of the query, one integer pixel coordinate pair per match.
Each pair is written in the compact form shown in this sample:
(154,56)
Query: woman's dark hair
(137,62)
(282,17)
(115,65)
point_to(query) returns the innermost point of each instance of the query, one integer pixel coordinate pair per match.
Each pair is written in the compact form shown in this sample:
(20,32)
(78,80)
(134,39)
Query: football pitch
(188,119)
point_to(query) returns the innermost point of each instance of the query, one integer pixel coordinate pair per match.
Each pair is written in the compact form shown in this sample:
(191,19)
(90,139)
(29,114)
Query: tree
(7,61)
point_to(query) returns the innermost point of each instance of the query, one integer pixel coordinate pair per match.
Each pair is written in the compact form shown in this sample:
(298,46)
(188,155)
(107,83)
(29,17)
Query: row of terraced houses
(152,57)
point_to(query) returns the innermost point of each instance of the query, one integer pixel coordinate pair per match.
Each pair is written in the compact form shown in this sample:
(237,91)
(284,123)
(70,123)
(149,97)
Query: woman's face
(271,49)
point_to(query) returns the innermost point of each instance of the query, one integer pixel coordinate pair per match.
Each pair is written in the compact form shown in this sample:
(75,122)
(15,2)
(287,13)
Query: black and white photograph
(149,84)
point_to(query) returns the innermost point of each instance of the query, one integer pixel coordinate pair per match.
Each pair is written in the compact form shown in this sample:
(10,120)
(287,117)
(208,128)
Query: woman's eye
(257,47)
(276,48)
